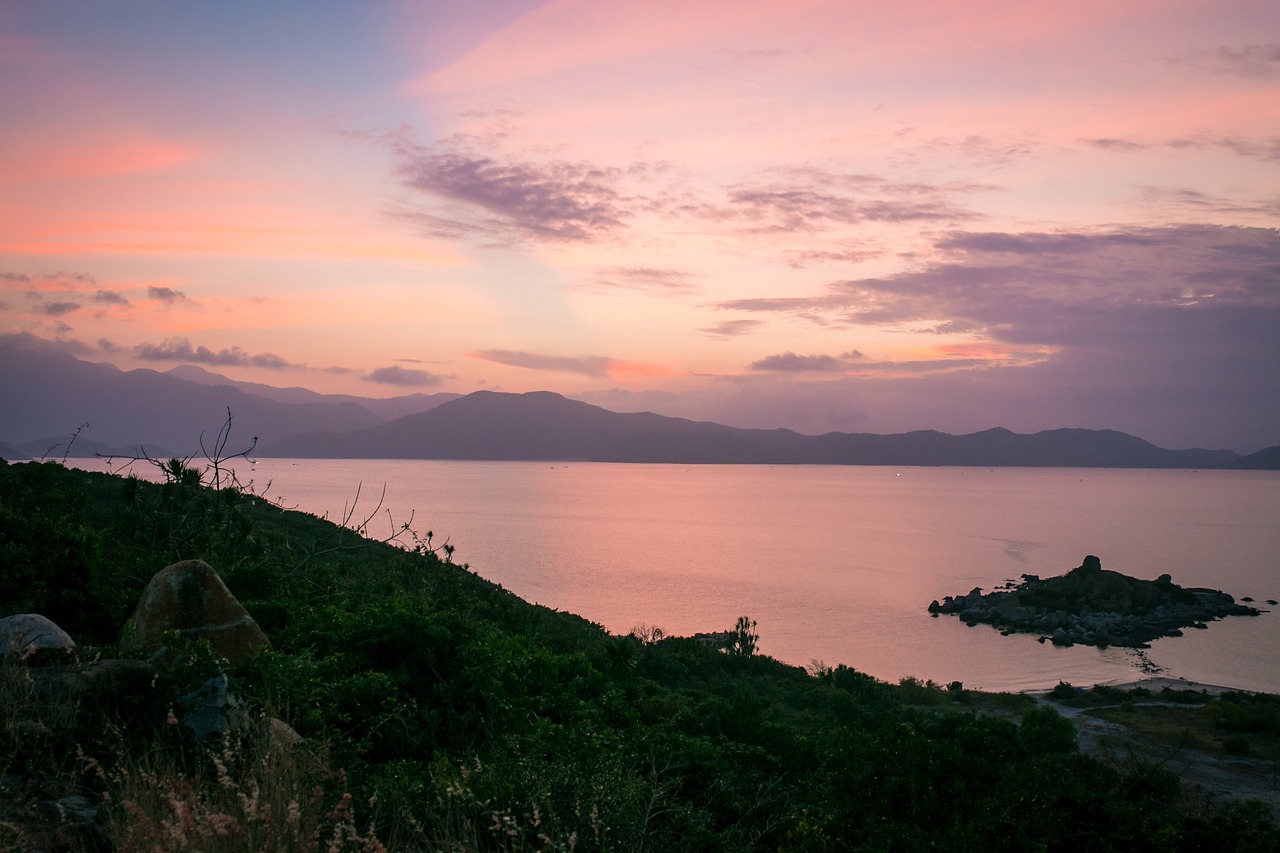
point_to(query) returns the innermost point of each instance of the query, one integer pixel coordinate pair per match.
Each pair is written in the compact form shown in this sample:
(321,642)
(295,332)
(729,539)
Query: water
(838,564)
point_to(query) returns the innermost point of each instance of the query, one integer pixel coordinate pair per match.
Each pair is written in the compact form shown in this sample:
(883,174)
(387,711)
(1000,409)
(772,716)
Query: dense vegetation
(453,715)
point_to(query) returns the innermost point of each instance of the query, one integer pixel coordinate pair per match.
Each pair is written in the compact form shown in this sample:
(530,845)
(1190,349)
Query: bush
(1046,732)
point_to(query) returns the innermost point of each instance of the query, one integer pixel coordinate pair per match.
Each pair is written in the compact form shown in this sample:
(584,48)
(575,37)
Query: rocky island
(1093,606)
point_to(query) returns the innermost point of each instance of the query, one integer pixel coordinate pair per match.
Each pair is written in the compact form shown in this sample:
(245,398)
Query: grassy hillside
(440,711)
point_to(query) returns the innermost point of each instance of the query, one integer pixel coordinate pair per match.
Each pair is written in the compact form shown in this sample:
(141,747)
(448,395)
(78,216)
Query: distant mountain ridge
(386,408)
(546,426)
(46,394)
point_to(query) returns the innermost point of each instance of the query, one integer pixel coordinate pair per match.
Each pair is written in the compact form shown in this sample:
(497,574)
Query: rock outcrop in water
(1095,607)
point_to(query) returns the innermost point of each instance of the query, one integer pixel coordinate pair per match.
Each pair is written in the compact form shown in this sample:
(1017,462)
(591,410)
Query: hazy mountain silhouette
(547,426)
(385,408)
(47,394)
(1267,459)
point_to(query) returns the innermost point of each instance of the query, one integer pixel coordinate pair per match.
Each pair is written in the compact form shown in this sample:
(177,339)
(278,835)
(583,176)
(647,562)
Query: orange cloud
(994,352)
(110,234)
(37,159)
(625,370)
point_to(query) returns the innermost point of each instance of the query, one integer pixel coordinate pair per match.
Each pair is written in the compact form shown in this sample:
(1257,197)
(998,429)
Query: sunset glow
(816,215)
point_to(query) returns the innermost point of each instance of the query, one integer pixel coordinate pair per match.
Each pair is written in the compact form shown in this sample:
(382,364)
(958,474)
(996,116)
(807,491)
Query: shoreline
(1155,684)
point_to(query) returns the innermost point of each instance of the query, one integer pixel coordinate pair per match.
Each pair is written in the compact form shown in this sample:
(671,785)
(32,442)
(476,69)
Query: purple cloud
(811,200)
(790,362)
(556,200)
(1256,61)
(1180,318)
(731,328)
(16,342)
(1261,148)
(406,376)
(1057,288)
(1111,144)
(58,309)
(167,295)
(645,279)
(110,297)
(180,349)
(848,252)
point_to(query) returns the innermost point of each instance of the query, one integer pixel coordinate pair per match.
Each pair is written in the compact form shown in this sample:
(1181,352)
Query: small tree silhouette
(743,638)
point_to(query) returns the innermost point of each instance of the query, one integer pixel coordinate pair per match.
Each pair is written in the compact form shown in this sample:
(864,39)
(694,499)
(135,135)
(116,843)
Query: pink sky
(850,216)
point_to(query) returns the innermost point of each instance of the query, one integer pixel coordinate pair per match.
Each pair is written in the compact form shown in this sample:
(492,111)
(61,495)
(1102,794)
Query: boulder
(30,636)
(189,598)
(276,733)
(207,707)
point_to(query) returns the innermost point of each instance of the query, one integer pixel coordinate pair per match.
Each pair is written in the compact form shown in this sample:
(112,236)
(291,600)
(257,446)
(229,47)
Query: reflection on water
(837,564)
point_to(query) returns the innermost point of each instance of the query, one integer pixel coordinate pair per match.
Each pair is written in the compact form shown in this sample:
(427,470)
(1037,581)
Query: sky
(826,216)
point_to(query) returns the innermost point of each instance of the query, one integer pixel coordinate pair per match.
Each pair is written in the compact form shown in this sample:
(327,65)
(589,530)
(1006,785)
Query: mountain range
(48,394)
(546,426)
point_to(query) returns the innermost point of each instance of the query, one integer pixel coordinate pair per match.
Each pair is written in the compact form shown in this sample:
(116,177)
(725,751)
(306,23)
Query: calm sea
(838,564)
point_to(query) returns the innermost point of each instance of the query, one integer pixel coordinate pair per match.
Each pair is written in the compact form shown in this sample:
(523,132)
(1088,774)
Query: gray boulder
(28,636)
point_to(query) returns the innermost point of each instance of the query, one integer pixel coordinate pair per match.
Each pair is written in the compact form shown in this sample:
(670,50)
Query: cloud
(11,342)
(180,349)
(506,199)
(1255,61)
(57,309)
(1111,144)
(644,279)
(807,210)
(809,200)
(847,252)
(1258,148)
(594,366)
(790,362)
(1169,319)
(167,295)
(731,328)
(1054,288)
(556,200)
(1172,201)
(947,359)
(406,376)
(60,282)
(1174,405)
(110,297)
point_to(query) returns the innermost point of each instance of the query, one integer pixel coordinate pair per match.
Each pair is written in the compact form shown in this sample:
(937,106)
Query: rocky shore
(1093,606)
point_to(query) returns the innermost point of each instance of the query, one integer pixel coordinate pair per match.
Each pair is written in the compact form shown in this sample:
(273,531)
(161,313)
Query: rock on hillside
(189,598)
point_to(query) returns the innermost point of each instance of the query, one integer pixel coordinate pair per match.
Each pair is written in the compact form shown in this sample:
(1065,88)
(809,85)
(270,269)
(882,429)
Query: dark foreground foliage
(461,717)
